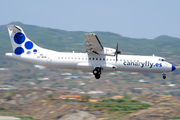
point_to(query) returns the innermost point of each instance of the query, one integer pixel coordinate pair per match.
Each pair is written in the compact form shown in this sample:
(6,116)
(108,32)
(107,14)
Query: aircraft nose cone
(173,67)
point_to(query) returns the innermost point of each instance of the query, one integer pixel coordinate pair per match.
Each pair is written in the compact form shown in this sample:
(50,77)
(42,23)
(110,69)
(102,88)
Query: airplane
(97,59)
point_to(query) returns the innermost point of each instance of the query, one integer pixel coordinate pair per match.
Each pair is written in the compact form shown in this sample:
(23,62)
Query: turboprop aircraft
(97,59)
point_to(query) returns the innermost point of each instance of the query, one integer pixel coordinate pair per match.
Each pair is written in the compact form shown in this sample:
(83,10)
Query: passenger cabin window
(93,58)
(99,58)
(96,58)
(103,58)
(89,58)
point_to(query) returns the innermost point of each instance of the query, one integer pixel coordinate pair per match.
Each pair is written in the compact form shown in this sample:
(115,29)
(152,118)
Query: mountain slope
(165,37)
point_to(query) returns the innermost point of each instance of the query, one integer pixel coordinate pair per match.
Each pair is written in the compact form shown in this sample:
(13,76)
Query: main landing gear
(97,72)
(164,75)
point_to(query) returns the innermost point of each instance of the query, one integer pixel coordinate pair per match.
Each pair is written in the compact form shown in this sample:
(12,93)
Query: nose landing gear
(97,72)
(164,75)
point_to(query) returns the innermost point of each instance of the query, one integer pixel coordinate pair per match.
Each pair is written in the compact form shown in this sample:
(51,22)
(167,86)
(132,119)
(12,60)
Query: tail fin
(20,43)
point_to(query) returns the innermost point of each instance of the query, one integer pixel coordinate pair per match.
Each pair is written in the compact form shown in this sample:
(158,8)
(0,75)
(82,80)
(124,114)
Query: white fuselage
(97,59)
(85,62)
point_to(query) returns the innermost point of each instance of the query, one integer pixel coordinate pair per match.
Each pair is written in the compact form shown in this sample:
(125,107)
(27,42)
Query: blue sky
(130,18)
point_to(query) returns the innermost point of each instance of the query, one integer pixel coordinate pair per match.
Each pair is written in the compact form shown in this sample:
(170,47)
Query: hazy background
(131,18)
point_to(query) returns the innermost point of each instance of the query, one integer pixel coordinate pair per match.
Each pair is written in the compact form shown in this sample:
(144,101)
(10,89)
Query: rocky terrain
(42,104)
(164,107)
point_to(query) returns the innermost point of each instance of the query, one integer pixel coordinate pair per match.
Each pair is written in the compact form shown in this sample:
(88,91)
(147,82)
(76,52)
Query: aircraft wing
(92,44)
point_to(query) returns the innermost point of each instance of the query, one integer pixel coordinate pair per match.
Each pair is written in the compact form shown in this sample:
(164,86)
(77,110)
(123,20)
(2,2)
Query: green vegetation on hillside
(120,100)
(14,113)
(176,118)
(118,108)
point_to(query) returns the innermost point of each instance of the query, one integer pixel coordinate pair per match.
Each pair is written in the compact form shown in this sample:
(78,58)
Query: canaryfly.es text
(141,64)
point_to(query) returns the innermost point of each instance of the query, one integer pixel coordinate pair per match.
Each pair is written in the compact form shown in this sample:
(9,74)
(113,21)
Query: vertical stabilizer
(20,43)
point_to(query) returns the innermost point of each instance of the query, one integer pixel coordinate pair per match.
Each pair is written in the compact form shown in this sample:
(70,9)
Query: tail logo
(28,45)
(19,51)
(19,38)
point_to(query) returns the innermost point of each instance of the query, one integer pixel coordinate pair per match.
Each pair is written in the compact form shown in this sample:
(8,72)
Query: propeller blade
(117,47)
(116,53)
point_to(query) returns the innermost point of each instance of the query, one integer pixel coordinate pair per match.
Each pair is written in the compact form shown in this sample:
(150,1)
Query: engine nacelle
(107,51)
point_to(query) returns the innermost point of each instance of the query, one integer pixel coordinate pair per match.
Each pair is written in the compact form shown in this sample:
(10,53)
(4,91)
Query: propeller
(117,52)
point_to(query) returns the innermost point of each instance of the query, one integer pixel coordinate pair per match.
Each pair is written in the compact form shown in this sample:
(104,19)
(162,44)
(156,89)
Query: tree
(85,98)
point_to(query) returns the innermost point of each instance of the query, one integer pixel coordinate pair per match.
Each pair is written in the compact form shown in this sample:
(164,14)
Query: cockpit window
(162,59)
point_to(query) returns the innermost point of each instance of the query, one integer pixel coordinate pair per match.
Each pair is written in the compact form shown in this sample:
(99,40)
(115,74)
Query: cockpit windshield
(162,59)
